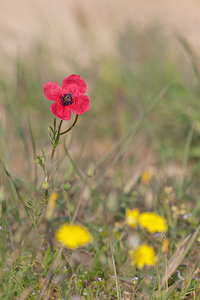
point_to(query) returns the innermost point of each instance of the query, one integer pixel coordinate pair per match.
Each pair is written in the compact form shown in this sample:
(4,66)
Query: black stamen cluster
(66,99)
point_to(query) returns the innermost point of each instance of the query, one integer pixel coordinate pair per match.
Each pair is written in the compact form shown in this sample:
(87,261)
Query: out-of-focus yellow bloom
(73,236)
(165,246)
(52,199)
(146,176)
(152,222)
(132,217)
(142,255)
(51,205)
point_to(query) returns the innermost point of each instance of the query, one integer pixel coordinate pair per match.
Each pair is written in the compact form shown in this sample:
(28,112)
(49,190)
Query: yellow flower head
(52,199)
(142,255)
(132,217)
(51,205)
(165,246)
(146,176)
(73,236)
(152,222)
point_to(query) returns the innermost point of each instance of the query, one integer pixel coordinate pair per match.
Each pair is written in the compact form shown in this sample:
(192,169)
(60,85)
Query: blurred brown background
(88,28)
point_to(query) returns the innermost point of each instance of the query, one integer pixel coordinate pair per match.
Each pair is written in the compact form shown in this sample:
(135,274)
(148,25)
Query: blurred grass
(121,89)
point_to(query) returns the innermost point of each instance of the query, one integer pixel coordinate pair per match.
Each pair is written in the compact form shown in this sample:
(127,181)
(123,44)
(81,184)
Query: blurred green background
(121,87)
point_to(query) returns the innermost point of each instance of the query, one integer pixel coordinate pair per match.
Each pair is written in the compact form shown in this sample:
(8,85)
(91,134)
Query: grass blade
(179,255)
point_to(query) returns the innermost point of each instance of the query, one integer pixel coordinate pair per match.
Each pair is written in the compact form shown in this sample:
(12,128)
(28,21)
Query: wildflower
(165,246)
(156,235)
(132,217)
(186,216)
(70,97)
(51,205)
(75,298)
(142,255)
(73,236)
(52,200)
(135,278)
(152,222)
(194,277)
(146,176)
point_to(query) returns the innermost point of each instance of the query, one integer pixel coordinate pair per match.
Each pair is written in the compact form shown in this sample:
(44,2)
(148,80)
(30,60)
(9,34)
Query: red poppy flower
(70,97)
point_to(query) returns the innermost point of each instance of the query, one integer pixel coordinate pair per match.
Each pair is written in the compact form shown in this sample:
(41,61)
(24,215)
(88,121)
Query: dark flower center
(66,99)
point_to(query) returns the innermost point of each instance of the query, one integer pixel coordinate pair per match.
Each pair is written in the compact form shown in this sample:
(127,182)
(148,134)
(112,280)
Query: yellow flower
(142,255)
(146,176)
(132,217)
(152,222)
(73,236)
(165,246)
(51,205)
(52,200)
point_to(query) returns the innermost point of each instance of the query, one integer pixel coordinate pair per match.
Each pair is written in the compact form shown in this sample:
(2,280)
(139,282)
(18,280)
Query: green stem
(58,134)
(76,118)
(52,153)
(57,138)
(115,273)
(68,207)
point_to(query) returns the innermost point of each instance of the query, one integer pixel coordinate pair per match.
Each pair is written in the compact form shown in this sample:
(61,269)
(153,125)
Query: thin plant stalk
(56,140)
(68,206)
(185,159)
(50,273)
(70,128)
(134,127)
(128,137)
(56,137)
(115,272)
(166,271)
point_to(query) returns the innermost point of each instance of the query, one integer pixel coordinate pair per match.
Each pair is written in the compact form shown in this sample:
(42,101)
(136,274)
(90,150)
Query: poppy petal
(60,111)
(80,105)
(52,91)
(74,84)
